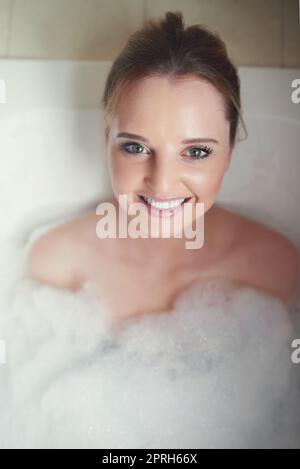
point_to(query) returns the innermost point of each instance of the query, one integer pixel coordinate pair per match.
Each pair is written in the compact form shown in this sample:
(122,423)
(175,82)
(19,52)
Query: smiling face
(158,161)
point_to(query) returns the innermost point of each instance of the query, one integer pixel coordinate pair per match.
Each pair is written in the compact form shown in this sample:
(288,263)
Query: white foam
(214,372)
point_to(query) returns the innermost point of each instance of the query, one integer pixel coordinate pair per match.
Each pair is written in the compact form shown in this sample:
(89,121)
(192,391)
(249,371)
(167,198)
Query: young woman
(171,111)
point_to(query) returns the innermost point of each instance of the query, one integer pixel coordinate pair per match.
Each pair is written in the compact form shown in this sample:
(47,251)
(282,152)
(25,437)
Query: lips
(159,200)
(162,201)
(166,199)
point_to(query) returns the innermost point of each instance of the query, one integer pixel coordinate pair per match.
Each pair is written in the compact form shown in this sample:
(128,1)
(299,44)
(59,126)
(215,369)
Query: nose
(162,179)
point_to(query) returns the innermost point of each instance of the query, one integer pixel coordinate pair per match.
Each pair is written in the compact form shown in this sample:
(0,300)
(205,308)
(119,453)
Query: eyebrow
(187,140)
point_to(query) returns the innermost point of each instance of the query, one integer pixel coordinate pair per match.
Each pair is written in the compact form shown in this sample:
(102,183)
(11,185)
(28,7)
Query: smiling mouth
(163,205)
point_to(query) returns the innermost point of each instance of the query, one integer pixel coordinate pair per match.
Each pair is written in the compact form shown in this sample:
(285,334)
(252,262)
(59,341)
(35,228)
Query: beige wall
(257,32)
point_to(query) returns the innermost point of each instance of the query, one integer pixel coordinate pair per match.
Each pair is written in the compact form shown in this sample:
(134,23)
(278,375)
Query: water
(214,372)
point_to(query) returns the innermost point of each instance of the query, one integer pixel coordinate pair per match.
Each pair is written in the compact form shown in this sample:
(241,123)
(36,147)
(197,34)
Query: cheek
(206,182)
(121,174)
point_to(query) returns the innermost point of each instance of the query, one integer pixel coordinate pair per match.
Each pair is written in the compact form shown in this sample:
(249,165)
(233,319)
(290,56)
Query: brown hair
(164,47)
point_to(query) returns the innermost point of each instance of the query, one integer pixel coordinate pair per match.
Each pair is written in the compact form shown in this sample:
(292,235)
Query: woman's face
(158,161)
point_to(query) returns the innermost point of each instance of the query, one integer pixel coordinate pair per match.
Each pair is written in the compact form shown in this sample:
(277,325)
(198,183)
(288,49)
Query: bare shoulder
(267,259)
(54,258)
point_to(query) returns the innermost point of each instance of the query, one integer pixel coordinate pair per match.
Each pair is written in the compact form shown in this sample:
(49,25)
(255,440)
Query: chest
(129,287)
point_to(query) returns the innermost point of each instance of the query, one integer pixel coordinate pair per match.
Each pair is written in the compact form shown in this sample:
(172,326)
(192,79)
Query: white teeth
(164,205)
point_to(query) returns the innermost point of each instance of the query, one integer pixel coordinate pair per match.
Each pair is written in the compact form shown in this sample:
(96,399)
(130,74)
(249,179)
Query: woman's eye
(195,152)
(200,152)
(132,148)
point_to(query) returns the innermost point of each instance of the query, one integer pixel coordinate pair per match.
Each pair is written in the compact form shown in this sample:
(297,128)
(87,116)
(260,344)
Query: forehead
(158,102)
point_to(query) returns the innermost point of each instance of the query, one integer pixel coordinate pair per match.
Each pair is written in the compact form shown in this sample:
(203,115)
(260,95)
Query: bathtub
(51,169)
